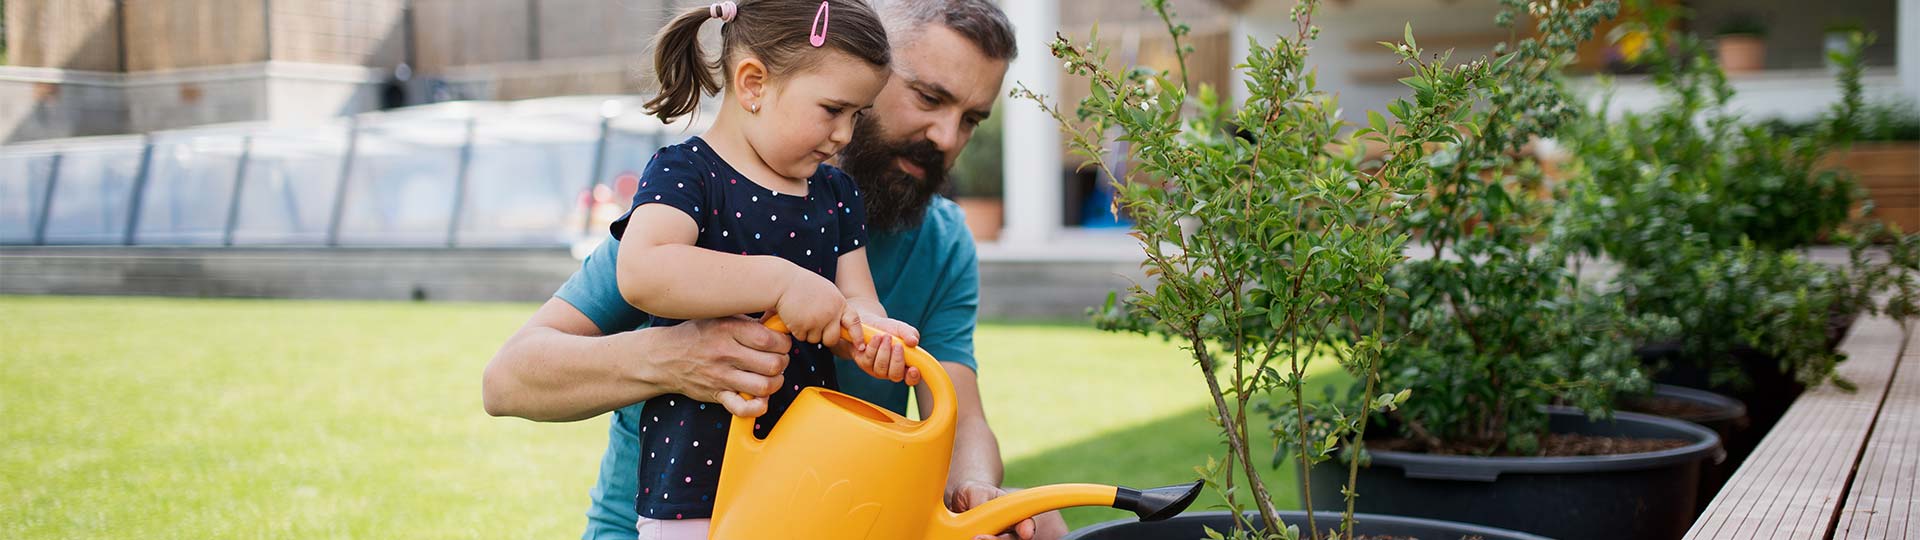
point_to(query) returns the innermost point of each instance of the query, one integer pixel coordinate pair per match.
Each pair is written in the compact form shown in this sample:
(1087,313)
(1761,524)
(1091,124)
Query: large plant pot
(1768,395)
(1643,496)
(1724,415)
(1890,174)
(1193,525)
(1741,53)
(985,216)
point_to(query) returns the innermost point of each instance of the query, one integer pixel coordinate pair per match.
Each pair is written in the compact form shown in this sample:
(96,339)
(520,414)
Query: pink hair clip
(817,35)
(723,11)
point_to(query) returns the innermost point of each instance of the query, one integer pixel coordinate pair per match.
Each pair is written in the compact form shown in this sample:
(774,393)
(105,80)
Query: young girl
(746,219)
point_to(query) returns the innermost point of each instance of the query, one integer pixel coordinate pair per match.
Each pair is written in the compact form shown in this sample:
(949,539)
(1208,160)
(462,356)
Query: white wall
(1794,95)
(1347,30)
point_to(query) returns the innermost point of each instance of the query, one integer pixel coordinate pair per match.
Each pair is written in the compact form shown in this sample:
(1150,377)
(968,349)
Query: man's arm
(560,368)
(976,452)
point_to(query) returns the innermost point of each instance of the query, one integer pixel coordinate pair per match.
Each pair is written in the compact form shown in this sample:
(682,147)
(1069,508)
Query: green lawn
(169,418)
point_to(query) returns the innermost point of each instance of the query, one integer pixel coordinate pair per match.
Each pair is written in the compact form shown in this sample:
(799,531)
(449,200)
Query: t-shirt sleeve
(672,178)
(947,333)
(850,210)
(594,290)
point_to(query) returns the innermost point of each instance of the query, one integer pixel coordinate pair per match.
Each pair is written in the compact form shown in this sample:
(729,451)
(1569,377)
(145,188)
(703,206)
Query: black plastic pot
(1643,496)
(1189,526)
(1724,415)
(1769,394)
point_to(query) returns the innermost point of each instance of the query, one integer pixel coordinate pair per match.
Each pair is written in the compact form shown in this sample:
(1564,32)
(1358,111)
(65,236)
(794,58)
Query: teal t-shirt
(927,276)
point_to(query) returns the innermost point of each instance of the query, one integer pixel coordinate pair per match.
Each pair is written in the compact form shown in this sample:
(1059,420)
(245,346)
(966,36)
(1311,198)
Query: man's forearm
(546,375)
(976,454)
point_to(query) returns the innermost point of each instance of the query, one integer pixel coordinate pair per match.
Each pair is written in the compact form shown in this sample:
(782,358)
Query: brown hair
(774,31)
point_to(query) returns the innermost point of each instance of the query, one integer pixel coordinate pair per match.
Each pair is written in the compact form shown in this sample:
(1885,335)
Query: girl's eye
(834,111)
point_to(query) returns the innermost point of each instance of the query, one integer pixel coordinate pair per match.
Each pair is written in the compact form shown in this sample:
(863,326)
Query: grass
(174,418)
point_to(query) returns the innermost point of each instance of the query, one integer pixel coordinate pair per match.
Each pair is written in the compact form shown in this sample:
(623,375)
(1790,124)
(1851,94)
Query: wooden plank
(1791,485)
(1881,505)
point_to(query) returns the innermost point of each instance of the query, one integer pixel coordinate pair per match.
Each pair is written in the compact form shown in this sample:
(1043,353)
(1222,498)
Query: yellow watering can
(839,468)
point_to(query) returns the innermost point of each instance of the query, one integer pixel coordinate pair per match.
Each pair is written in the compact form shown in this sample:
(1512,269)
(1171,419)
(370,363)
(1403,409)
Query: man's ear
(750,83)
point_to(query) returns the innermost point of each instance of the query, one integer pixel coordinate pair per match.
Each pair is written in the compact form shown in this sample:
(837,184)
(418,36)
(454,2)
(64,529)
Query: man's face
(941,88)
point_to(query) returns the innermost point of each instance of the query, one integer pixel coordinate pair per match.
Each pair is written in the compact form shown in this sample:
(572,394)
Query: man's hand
(718,359)
(966,495)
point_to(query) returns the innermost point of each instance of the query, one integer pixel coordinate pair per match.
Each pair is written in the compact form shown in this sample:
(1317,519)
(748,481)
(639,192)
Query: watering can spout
(1158,503)
(999,514)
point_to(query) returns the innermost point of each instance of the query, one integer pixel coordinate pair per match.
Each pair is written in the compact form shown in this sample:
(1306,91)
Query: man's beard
(895,200)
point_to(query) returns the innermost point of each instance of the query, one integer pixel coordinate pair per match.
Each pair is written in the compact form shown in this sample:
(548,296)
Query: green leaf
(1377,122)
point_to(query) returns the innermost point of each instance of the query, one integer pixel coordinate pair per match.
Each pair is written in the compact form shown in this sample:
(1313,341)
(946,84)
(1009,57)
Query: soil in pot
(1377,527)
(1644,495)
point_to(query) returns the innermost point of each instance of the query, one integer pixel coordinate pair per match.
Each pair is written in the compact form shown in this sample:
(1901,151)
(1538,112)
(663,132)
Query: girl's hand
(813,308)
(884,354)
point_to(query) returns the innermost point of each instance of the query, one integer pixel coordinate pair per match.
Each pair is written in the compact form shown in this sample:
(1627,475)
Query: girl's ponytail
(780,33)
(683,71)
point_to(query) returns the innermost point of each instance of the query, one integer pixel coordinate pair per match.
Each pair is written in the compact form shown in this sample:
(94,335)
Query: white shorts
(672,529)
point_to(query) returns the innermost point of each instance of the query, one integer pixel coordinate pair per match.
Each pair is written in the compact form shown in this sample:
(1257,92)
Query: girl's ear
(750,83)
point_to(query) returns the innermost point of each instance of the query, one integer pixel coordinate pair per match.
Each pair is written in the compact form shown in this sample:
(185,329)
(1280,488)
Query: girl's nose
(842,131)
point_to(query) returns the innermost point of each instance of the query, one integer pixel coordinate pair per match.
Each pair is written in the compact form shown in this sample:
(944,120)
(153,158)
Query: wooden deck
(1839,465)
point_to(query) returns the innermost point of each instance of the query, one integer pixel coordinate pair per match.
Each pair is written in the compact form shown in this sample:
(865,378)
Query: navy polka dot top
(682,441)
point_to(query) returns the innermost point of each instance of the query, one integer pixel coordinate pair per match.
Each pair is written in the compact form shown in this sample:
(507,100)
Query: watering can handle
(931,372)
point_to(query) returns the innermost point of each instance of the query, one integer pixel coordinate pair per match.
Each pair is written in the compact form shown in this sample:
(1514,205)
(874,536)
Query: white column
(1909,41)
(1032,139)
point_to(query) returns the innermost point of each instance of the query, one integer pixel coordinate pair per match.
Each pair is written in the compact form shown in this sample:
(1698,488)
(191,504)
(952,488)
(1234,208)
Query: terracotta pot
(1741,53)
(984,216)
(1889,172)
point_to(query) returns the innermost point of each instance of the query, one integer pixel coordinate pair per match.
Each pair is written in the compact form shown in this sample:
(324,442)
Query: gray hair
(979,21)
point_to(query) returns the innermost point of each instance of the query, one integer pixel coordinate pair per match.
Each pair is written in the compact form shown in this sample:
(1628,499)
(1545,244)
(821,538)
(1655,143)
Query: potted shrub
(1882,158)
(1270,245)
(977,181)
(1839,37)
(1742,43)
(1497,329)
(1700,212)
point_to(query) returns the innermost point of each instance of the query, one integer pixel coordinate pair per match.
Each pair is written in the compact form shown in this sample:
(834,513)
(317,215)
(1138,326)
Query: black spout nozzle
(1158,503)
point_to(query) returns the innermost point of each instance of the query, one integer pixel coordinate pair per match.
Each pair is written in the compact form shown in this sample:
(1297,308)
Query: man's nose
(945,134)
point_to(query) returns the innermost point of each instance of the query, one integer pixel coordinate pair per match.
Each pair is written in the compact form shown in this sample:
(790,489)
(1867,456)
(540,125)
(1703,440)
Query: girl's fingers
(740,406)
(850,320)
(876,358)
(896,360)
(913,376)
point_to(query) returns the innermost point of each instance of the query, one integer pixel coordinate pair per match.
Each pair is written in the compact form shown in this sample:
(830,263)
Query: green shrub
(1495,325)
(1701,211)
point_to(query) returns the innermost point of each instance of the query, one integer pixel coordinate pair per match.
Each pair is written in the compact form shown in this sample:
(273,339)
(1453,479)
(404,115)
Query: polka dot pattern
(736,216)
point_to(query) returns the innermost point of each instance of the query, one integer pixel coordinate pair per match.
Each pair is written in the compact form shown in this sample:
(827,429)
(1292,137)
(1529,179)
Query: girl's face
(806,117)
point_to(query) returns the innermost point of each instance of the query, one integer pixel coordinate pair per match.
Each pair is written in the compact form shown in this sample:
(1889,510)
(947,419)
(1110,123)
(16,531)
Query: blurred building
(95,67)
(250,147)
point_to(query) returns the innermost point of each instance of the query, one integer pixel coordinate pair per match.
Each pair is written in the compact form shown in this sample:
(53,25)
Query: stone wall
(66,34)
(175,34)
(46,103)
(366,33)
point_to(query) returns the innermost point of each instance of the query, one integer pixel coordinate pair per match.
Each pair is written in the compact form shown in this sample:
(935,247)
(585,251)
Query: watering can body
(837,467)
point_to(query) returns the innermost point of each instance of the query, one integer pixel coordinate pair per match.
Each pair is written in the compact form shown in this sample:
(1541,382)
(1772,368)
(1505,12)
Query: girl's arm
(855,280)
(662,272)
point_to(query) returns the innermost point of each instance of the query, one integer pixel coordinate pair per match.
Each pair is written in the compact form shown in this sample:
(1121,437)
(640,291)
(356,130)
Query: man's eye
(928,99)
